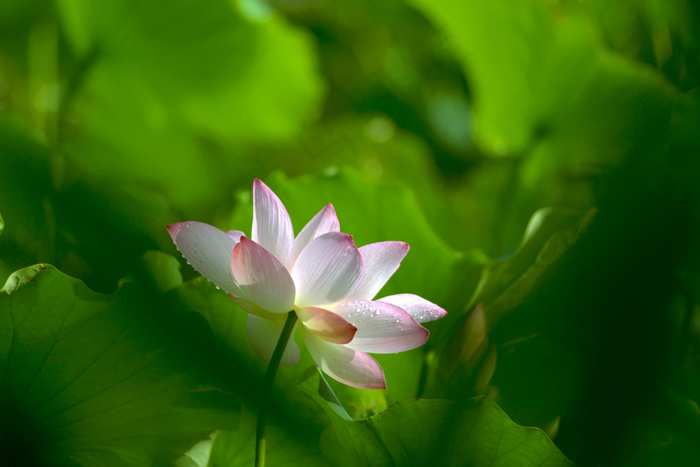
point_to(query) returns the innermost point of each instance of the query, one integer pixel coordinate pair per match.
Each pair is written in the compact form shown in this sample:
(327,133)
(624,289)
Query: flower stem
(267,387)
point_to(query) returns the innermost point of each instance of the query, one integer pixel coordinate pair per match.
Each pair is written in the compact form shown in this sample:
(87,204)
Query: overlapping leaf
(438,432)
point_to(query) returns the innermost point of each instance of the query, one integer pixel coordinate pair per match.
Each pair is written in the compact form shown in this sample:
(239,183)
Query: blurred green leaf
(243,371)
(25,188)
(539,71)
(284,447)
(322,393)
(82,226)
(439,432)
(558,108)
(163,270)
(92,379)
(507,282)
(166,82)
(484,345)
(199,455)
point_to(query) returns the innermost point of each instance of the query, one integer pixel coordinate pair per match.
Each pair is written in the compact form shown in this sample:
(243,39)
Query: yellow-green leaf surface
(161,80)
(475,432)
(539,71)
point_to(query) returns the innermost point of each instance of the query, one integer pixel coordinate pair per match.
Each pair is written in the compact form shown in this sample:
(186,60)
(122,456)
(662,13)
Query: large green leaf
(79,227)
(552,104)
(538,71)
(164,83)
(92,379)
(475,432)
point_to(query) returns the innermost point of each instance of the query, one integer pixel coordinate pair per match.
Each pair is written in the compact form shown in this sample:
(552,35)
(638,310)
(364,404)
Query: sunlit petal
(327,325)
(382,327)
(419,308)
(235,235)
(346,365)
(262,277)
(323,222)
(327,270)
(272,227)
(208,250)
(381,262)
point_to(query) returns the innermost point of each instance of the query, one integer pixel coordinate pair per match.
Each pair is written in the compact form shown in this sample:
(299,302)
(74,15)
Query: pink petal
(382,327)
(262,277)
(208,250)
(264,334)
(381,262)
(326,325)
(272,227)
(235,235)
(346,365)
(421,309)
(323,222)
(327,270)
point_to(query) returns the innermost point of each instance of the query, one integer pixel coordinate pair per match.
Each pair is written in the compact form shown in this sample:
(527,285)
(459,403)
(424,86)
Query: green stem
(267,387)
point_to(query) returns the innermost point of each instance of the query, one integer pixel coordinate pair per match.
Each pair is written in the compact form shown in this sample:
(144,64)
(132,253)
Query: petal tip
(259,185)
(350,336)
(426,333)
(174,229)
(329,207)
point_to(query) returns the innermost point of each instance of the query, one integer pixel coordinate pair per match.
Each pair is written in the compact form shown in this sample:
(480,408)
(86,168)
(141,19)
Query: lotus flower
(322,277)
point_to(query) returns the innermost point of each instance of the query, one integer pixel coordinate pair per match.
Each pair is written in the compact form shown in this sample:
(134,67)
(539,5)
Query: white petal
(327,325)
(346,365)
(208,250)
(323,222)
(327,270)
(272,227)
(382,327)
(421,309)
(235,235)
(381,262)
(262,277)
(264,334)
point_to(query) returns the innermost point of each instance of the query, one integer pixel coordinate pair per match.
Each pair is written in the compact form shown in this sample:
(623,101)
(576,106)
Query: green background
(541,158)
